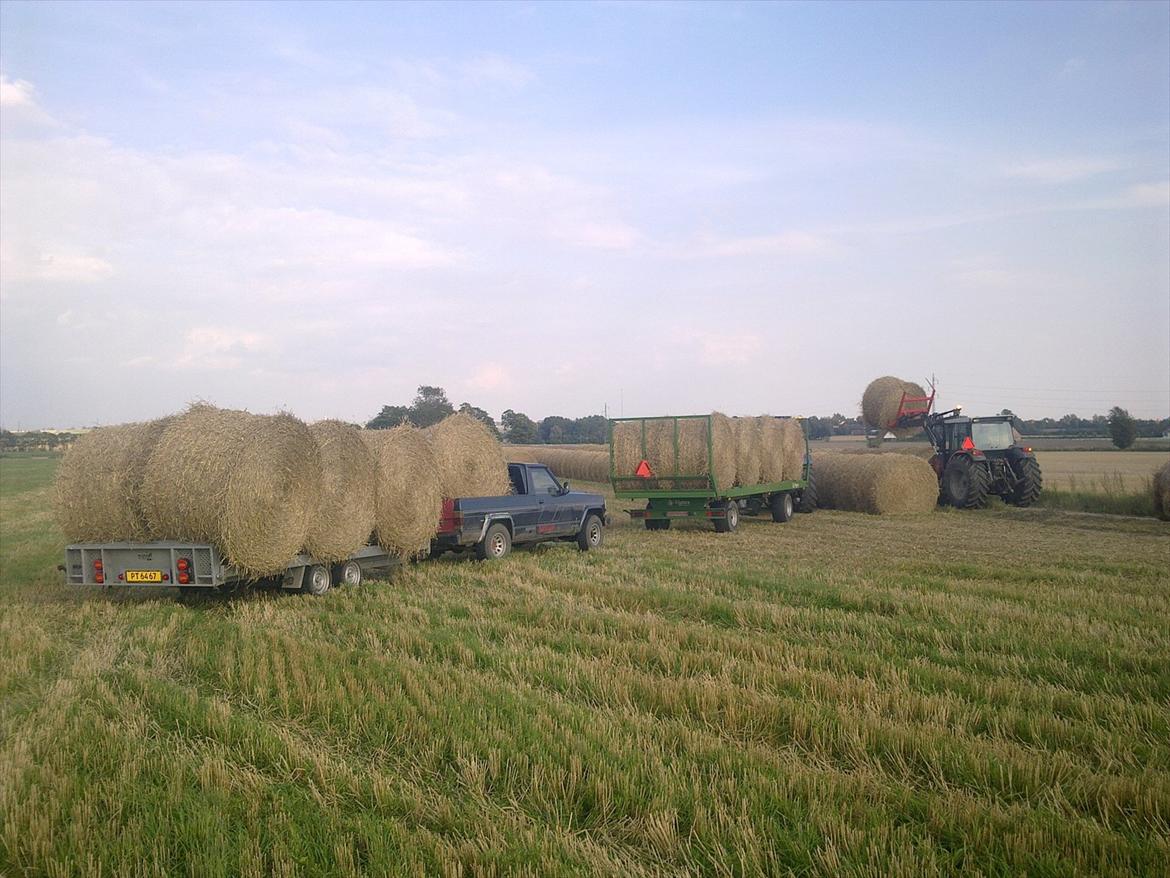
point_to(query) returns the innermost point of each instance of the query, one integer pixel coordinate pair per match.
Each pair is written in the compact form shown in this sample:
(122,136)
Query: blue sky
(555,207)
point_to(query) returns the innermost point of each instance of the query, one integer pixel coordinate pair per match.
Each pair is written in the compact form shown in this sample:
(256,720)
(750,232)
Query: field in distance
(955,693)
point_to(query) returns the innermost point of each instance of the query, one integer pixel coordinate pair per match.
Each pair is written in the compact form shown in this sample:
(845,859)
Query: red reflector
(182,563)
(184,579)
(120,577)
(643,471)
(166,577)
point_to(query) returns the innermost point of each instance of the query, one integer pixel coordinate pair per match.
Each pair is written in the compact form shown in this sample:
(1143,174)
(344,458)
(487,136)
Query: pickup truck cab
(539,509)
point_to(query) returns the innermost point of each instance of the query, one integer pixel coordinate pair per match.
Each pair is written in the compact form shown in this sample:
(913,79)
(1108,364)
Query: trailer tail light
(450,519)
(184,578)
(99,575)
(183,564)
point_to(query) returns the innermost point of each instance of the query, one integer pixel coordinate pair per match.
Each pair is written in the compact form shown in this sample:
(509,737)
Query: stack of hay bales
(1162,492)
(470,459)
(247,483)
(408,498)
(343,516)
(99,482)
(879,403)
(880,484)
(568,463)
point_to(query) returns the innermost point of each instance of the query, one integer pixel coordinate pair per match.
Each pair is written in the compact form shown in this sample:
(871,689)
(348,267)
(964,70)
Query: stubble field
(976,693)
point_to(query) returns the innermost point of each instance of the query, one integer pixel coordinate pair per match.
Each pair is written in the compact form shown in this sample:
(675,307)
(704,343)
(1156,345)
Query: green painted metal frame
(712,492)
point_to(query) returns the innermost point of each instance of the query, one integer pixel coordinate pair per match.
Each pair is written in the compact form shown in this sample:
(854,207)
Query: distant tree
(555,430)
(819,428)
(390,416)
(519,429)
(1122,427)
(479,414)
(592,429)
(430,406)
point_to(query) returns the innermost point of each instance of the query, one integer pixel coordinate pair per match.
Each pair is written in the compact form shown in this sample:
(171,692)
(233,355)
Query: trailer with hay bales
(712,467)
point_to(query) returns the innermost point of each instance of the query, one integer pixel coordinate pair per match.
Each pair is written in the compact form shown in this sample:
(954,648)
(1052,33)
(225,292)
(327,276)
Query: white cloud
(15,93)
(791,243)
(1060,170)
(490,376)
(497,70)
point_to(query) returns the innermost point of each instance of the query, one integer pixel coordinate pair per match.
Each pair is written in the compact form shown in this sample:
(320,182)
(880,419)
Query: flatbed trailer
(200,568)
(698,495)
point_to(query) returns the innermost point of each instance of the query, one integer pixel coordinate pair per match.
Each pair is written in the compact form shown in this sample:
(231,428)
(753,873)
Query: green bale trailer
(698,495)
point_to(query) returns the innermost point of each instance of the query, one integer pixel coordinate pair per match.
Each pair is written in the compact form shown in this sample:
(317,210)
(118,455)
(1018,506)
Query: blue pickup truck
(540,508)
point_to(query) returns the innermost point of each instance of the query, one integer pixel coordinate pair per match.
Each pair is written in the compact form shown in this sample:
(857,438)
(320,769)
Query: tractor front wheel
(966,483)
(1027,491)
(808,497)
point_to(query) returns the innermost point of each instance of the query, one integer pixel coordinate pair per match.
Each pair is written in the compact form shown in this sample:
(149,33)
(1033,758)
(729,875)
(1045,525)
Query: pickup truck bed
(540,509)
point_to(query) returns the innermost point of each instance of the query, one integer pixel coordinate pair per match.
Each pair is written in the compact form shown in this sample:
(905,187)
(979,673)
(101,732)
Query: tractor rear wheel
(808,497)
(966,483)
(1027,491)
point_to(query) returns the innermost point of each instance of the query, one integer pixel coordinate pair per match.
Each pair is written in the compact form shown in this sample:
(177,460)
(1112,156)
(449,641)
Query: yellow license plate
(144,576)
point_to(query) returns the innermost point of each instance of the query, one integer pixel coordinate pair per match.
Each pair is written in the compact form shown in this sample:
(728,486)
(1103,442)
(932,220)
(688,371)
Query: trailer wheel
(657,523)
(317,580)
(782,507)
(349,573)
(496,543)
(729,523)
(591,534)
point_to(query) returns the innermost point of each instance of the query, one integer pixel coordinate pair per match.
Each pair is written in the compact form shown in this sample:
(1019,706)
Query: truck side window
(543,482)
(516,475)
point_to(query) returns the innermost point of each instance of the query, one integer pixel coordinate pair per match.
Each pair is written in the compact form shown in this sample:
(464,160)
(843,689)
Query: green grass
(958,693)
(1105,493)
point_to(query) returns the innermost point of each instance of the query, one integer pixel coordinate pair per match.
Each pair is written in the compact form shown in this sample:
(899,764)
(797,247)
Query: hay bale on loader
(879,404)
(343,516)
(880,484)
(97,492)
(1162,492)
(408,497)
(470,459)
(246,483)
(747,451)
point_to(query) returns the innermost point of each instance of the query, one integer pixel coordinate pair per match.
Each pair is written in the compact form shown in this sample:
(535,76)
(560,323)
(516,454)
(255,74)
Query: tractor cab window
(958,432)
(992,435)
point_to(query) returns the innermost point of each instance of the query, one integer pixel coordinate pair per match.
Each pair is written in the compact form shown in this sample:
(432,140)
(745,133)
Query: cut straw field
(953,693)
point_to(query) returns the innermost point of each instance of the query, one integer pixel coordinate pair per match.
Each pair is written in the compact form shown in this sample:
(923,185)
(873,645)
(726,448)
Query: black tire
(808,497)
(1028,490)
(317,581)
(782,507)
(496,543)
(966,483)
(657,523)
(348,573)
(592,533)
(730,522)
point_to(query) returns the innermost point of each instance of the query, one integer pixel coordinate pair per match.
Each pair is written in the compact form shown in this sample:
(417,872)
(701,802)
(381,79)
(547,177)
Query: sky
(639,208)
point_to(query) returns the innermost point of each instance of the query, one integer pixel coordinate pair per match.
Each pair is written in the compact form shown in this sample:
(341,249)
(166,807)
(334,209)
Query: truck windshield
(992,435)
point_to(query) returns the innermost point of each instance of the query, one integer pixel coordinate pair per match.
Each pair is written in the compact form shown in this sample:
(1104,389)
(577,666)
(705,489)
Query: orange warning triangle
(643,471)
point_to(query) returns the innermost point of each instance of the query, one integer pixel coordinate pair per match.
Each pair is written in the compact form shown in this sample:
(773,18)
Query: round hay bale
(880,484)
(97,493)
(246,483)
(879,404)
(567,463)
(343,516)
(659,446)
(771,449)
(747,451)
(627,447)
(408,498)
(723,450)
(1162,491)
(792,445)
(471,460)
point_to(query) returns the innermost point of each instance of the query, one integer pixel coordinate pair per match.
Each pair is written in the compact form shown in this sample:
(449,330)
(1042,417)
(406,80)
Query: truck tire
(808,497)
(782,507)
(729,523)
(496,543)
(317,580)
(1027,491)
(349,573)
(591,534)
(966,483)
(657,523)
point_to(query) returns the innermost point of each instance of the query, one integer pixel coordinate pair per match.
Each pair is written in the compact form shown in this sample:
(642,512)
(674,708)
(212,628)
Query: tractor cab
(993,436)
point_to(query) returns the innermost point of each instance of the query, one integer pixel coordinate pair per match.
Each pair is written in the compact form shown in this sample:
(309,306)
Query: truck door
(545,491)
(526,511)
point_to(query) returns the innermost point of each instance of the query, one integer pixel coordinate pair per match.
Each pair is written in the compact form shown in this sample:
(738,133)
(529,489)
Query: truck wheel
(349,573)
(317,580)
(591,534)
(731,522)
(1028,490)
(657,523)
(966,483)
(782,507)
(808,497)
(496,543)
